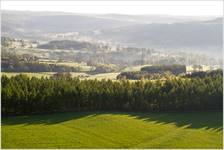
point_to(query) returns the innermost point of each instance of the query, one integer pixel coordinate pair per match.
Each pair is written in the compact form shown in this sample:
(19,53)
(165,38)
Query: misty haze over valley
(164,33)
(108,43)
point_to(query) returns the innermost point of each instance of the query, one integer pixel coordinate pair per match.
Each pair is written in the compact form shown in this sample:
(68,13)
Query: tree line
(175,69)
(37,67)
(24,95)
(203,74)
(138,75)
(154,72)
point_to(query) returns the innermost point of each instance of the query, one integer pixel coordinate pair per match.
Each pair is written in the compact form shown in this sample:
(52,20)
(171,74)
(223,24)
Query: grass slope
(114,130)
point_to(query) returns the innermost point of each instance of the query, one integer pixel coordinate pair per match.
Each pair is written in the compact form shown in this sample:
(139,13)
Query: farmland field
(29,74)
(114,130)
(82,75)
(134,68)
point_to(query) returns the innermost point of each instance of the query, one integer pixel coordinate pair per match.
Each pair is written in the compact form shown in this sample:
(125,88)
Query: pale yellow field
(38,75)
(111,76)
(134,68)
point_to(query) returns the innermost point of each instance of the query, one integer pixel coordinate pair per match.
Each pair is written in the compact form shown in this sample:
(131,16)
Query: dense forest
(24,95)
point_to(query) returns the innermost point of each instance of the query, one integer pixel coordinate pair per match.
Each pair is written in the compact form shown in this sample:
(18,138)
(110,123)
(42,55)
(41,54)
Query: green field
(114,130)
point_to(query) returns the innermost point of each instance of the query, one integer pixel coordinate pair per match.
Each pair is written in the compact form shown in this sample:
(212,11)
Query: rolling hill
(168,33)
(198,36)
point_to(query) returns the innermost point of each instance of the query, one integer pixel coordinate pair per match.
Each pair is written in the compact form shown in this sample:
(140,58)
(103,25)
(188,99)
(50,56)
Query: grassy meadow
(114,130)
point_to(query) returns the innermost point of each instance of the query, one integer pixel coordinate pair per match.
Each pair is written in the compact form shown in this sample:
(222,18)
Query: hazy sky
(187,8)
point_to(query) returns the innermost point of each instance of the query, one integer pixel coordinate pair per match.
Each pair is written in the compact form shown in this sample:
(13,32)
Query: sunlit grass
(114,130)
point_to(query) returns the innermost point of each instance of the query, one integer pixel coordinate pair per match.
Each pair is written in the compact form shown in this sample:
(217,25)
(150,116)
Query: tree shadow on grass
(207,120)
(45,118)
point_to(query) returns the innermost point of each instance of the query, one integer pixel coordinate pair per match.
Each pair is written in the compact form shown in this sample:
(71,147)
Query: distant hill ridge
(173,33)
